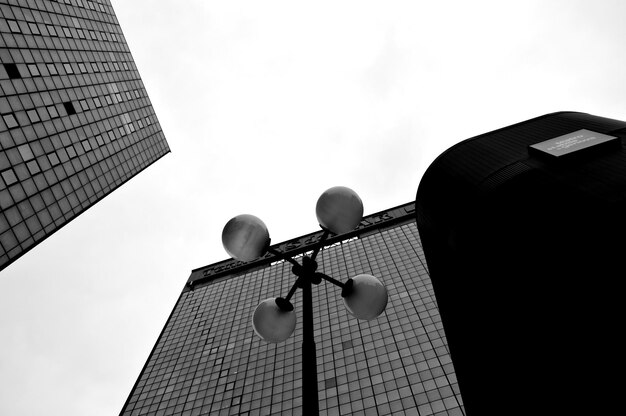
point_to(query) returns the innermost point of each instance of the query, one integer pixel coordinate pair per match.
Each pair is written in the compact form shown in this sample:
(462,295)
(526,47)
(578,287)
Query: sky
(265,105)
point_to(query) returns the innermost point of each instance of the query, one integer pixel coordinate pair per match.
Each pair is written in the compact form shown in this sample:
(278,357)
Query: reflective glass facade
(75,118)
(208,361)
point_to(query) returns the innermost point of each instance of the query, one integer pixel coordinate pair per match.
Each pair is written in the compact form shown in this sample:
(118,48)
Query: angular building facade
(208,360)
(75,118)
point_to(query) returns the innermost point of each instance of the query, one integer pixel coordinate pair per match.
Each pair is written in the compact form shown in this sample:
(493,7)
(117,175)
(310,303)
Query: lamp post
(245,237)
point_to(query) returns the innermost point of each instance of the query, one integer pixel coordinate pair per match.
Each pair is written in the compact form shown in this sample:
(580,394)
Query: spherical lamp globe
(245,237)
(368,297)
(271,323)
(339,209)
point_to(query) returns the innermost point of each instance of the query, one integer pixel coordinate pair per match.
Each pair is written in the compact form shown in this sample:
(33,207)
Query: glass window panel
(10,120)
(33,116)
(70,151)
(34,71)
(12,71)
(34,28)
(52,111)
(15,28)
(52,69)
(9,177)
(33,167)
(53,158)
(25,152)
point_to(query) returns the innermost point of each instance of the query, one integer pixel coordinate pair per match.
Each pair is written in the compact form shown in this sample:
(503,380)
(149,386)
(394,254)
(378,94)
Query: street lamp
(246,238)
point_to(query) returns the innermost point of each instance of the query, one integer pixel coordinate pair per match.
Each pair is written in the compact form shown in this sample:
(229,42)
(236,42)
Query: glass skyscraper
(75,118)
(208,360)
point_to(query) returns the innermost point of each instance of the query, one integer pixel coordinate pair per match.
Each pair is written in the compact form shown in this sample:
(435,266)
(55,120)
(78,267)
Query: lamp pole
(246,238)
(307,277)
(310,402)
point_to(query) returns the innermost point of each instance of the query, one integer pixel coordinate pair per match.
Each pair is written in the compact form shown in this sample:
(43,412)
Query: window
(10,120)
(67,32)
(94,67)
(34,28)
(97,102)
(52,110)
(62,155)
(83,105)
(53,158)
(34,71)
(9,177)
(15,28)
(33,115)
(69,108)
(52,69)
(70,151)
(33,167)
(82,68)
(68,68)
(12,71)
(330,383)
(51,30)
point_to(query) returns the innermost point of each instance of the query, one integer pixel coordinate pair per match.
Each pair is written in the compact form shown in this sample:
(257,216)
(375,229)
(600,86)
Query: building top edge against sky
(302,244)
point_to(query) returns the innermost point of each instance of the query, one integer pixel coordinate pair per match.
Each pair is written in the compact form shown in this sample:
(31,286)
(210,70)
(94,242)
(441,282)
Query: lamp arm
(330,279)
(320,243)
(293,289)
(282,256)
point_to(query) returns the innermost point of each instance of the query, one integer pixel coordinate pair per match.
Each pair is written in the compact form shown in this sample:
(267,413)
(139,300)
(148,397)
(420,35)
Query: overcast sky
(266,104)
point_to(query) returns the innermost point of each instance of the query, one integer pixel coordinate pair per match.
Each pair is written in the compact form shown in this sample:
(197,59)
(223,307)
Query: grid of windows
(208,361)
(76,121)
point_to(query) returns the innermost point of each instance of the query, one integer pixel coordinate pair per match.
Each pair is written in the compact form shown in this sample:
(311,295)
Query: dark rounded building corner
(523,230)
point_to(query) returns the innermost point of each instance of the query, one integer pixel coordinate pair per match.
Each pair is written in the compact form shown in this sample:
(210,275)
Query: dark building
(75,118)
(208,360)
(523,231)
